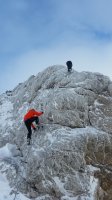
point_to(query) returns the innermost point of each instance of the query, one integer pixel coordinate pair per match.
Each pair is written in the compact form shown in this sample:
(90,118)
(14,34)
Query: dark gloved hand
(34,129)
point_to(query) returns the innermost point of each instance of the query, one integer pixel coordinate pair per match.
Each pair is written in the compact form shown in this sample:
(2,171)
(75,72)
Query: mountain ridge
(76,135)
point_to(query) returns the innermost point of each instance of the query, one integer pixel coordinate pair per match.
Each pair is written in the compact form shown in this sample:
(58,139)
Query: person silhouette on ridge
(69,65)
(31,116)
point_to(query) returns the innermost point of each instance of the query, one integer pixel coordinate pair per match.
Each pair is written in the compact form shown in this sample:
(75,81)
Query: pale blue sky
(35,34)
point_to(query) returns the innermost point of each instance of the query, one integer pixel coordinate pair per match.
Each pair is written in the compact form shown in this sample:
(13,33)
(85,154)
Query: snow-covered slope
(74,144)
(8,150)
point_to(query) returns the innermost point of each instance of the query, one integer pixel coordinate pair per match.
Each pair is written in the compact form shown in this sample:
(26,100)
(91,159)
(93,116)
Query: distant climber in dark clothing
(69,65)
(30,117)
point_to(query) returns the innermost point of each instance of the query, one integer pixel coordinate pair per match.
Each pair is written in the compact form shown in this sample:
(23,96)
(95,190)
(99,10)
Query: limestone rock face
(70,157)
(100,113)
(110,89)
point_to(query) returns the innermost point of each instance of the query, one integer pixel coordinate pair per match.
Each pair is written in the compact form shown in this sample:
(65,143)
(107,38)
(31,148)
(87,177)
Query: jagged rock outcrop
(66,157)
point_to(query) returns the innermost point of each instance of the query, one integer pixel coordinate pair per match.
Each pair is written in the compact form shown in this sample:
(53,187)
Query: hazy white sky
(40,33)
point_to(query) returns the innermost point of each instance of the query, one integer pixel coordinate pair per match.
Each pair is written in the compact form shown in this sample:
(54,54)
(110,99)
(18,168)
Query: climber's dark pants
(69,66)
(28,124)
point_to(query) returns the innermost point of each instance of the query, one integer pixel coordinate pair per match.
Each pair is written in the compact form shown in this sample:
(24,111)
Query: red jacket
(32,113)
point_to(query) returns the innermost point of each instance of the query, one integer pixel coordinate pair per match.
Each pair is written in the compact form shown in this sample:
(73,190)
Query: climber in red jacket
(30,117)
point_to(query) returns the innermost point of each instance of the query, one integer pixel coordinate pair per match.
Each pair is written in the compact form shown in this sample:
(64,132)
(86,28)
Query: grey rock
(76,134)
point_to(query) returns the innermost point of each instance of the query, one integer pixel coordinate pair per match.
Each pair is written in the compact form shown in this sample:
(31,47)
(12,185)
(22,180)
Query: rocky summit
(70,158)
